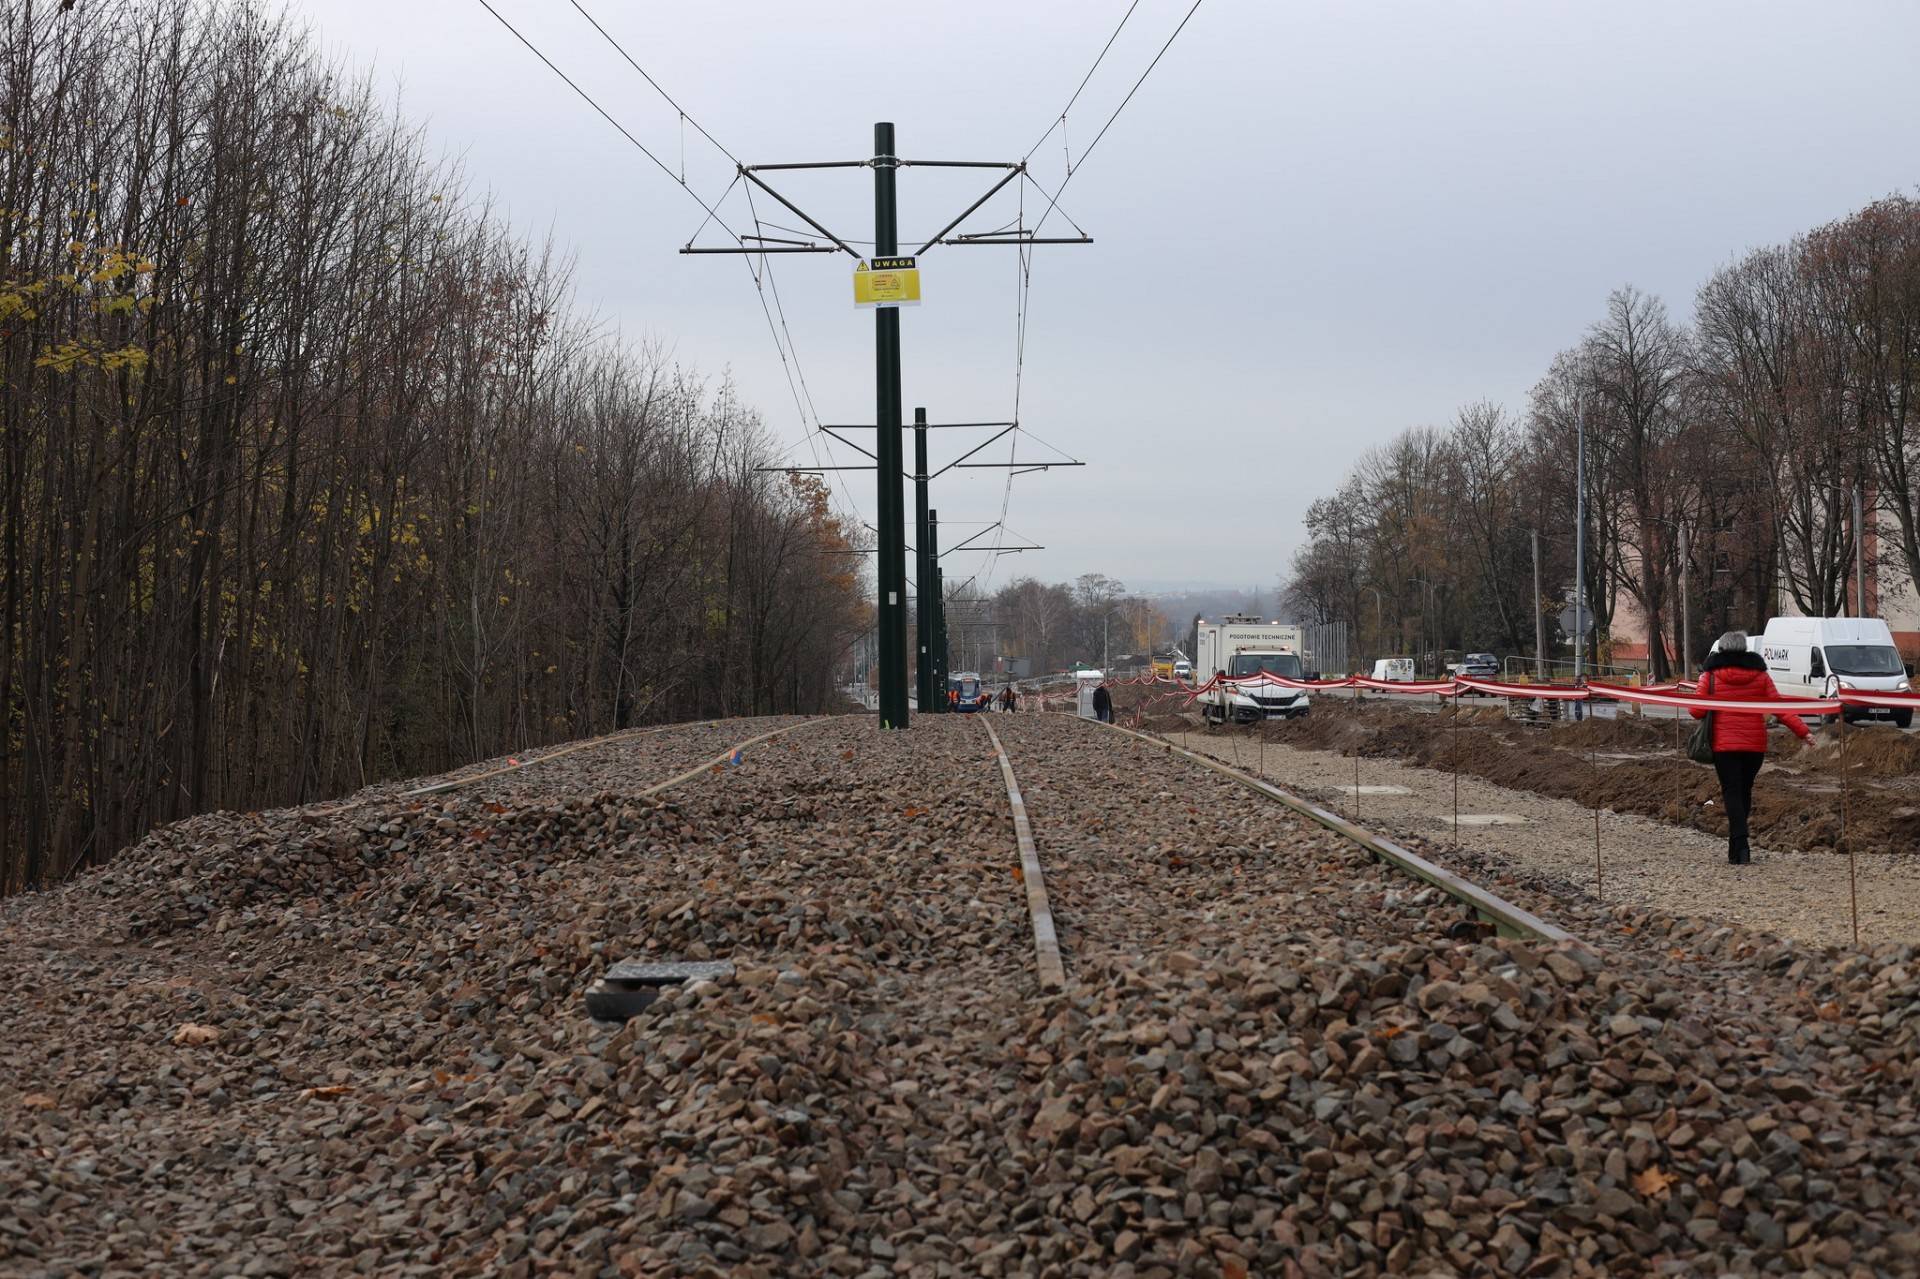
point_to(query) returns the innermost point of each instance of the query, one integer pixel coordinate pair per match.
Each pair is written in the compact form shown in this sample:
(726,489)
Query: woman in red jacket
(1731,673)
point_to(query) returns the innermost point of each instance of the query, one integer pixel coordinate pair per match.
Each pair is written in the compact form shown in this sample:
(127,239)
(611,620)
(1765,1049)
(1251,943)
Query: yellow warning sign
(887,282)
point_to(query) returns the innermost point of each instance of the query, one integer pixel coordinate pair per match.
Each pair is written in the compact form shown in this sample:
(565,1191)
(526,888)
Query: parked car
(1480,666)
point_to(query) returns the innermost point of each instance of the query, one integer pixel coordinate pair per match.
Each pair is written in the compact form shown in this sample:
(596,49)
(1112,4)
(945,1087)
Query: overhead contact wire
(1084,155)
(588,99)
(684,116)
(1062,121)
(764,279)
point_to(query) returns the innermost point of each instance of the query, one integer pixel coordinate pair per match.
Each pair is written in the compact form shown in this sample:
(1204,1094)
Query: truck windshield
(1864,659)
(1285,665)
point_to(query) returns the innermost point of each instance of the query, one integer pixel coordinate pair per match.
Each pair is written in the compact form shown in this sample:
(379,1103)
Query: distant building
(1891,596)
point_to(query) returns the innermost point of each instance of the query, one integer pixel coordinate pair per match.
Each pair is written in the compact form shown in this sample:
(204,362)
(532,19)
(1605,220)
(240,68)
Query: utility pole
(1686,608)
(937,633)
(1539,616)
(1859,553)
(923,578)
(1579,538)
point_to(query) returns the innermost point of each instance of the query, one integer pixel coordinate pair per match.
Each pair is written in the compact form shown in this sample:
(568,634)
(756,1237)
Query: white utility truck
(1237,647)
(1819,656)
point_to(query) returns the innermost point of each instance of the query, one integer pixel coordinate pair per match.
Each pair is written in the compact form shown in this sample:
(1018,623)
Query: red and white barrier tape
(1679,694)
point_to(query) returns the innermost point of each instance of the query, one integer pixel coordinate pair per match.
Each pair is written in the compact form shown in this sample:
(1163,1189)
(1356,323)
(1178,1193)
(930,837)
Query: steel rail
(727,755)
(441,788)
(1509,919)
(1046,942)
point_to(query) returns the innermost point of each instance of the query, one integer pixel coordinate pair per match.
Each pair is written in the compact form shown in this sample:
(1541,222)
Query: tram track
(1223,864)
(1263,1019)
(1508,919)
(1046,942)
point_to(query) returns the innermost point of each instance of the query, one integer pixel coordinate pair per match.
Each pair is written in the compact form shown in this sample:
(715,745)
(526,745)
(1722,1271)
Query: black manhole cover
(631,985)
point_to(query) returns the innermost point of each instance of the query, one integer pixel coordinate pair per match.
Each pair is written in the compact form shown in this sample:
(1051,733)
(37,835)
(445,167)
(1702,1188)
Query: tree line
(1726,451)
(1055,624)
(312,473)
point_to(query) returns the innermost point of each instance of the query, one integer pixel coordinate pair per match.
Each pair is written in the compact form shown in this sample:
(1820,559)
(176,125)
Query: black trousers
(1737,769)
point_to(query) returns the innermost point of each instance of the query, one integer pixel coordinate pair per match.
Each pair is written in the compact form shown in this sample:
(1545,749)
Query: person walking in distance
(1732,673)
(1103,705)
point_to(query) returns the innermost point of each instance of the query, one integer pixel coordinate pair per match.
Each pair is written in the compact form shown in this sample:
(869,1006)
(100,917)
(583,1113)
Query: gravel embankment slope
(355,1043)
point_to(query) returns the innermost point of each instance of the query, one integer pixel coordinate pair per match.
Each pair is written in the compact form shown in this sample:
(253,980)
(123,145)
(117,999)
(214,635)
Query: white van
(1397,669)
(1818,656)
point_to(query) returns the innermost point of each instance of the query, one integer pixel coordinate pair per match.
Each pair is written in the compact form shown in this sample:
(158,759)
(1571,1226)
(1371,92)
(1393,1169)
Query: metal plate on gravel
(610,1003)
(629,972)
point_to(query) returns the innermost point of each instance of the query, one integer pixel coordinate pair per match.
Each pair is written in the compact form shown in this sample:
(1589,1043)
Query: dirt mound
(1870,751)
(1164,723)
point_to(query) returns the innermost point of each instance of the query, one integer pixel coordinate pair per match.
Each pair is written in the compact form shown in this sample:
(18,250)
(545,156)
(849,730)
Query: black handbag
(1700,745)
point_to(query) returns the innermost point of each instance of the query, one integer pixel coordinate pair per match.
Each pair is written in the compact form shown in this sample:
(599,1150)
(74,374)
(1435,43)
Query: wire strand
(621,50)
(815,436)
(1087,154)
(1061,122)
(588,99)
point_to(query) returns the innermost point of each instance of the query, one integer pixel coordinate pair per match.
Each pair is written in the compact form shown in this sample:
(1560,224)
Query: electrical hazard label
(887,282)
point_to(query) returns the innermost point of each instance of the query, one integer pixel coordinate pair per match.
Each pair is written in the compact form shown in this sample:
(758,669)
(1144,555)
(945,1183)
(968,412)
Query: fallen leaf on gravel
(194,1035)
(495,806)
(1652,1182)
(1233,1268)
(1019,875)
(38,1101)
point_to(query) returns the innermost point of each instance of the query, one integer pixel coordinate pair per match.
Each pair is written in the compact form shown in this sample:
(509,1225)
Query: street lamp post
(1579,539)
(1427,630)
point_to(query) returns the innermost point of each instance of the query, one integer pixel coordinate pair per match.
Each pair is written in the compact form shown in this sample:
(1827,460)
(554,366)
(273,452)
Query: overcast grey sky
(1316,224)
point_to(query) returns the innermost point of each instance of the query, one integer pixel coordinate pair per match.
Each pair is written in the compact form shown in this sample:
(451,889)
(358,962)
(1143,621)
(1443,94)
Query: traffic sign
(1576,619)
(886,282)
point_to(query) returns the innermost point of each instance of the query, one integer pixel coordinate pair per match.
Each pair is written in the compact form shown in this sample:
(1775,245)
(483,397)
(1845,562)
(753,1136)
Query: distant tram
(966,692)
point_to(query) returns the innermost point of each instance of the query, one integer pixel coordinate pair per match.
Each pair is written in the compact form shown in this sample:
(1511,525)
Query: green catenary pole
(924,689)
(887,460)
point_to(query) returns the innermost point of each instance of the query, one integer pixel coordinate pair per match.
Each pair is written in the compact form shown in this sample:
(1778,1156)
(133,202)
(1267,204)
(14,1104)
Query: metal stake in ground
(1853,891)
(1593,765)
(1356,781)
(1456,768)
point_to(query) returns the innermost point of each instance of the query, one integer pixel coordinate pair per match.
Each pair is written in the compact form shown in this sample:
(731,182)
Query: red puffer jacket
(1741,677)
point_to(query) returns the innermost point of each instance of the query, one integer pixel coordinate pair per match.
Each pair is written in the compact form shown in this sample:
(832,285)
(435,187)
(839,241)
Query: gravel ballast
(355,1042)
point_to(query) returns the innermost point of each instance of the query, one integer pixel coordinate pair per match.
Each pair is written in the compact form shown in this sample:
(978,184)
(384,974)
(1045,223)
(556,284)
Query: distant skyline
(1314,226)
